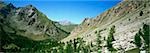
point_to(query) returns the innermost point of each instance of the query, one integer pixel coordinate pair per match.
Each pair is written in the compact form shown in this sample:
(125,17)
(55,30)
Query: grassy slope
(10,42)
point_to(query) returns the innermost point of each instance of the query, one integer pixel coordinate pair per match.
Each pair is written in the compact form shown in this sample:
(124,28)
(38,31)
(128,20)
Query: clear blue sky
(74,10)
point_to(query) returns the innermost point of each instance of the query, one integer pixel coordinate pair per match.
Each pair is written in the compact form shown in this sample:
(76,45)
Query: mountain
(26,28)
(66,26)
(123,28)
(29,22)
(65,22)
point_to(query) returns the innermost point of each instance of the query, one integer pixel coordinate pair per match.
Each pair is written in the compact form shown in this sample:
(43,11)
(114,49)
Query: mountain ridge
(30,21)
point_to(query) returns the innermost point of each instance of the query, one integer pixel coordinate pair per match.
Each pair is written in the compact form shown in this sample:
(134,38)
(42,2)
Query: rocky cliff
(127,18)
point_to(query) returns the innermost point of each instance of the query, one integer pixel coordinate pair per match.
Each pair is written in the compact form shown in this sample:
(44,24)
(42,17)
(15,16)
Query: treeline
(72,46)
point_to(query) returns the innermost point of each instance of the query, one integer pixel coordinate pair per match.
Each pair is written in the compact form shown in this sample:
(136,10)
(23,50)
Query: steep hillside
(117,27)
(29,22)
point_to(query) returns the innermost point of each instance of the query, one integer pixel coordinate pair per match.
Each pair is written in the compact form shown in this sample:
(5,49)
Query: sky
(71,10)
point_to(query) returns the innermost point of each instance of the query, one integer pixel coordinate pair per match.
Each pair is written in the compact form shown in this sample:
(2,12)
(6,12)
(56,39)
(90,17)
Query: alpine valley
(124,28)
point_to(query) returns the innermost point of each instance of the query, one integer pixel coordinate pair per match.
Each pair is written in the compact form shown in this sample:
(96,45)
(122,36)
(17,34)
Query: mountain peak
(11,5)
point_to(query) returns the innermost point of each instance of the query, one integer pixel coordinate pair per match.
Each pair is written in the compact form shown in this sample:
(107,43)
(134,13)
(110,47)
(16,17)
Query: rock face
(28,22)
(127,17)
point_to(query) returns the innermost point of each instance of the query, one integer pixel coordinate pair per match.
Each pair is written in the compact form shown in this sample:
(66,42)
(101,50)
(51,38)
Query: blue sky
(71,10)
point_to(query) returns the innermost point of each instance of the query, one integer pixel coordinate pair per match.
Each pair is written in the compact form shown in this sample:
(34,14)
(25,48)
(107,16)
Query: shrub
(141,13)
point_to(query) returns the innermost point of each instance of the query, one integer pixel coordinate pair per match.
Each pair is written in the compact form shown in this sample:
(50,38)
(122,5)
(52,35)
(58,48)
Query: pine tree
(146,33)
(137,40)
(75,44)
(110,39)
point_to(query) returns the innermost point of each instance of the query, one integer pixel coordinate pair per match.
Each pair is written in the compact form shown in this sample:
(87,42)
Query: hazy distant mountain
(65,22)
(66,25)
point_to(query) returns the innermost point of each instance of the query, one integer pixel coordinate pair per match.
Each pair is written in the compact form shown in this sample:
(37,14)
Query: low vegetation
(98,40)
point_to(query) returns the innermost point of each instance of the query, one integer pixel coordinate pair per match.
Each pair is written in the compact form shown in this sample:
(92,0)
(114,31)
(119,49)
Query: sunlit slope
(128,18)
